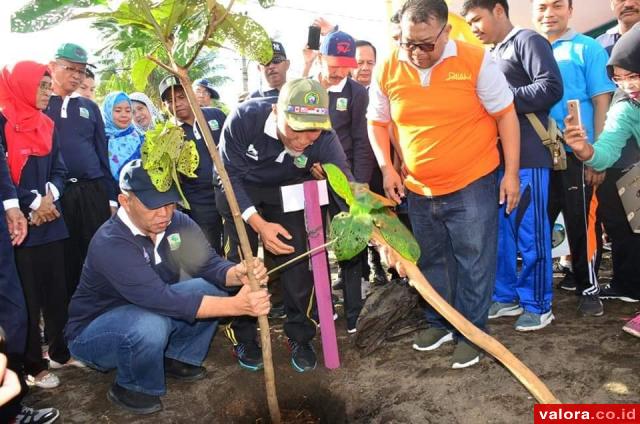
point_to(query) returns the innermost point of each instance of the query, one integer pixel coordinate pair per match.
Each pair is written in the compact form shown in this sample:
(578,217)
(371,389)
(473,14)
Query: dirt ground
(582,360)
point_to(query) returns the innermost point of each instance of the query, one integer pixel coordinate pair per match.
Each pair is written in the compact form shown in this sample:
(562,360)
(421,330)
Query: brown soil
(582,360)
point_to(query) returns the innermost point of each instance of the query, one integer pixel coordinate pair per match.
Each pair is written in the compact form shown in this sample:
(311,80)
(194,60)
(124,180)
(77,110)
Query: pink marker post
(315,233)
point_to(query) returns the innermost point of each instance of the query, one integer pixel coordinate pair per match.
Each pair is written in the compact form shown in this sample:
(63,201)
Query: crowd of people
(112,273)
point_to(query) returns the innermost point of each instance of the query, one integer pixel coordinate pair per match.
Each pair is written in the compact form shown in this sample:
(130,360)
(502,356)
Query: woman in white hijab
(145,114)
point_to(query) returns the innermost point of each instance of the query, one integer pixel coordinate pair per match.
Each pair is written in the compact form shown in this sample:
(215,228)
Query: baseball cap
(167,83)
(339,48)
(278,49)
(134,178)
(305,104)
(203,82)
(73,53)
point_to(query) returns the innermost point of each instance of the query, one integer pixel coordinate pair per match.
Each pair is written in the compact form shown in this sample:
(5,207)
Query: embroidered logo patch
(214,125)
(84,113)
(311,98)
(458,76)
(174,241)
(300,161)
(342,103)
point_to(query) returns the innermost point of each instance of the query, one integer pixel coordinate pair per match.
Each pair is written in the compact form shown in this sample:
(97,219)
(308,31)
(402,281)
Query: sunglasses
(425,47)
(276,60)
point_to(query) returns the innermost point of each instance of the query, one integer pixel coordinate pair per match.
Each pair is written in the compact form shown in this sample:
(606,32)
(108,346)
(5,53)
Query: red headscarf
(29,132)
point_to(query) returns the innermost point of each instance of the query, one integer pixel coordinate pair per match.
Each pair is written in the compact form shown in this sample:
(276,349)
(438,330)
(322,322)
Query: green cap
(72,53)
(305,104)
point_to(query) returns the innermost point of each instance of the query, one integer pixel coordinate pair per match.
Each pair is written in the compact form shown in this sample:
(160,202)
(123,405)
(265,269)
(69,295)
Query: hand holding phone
(313,38)
(574,118)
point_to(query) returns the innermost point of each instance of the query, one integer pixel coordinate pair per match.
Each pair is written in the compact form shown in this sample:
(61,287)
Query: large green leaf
(368,200)
(245,35)
(140,73)
(37,15)
(396,234)
(351,234)
(339,183)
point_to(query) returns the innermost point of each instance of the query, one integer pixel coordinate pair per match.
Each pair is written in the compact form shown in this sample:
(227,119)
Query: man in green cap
(89,196)
(265,146)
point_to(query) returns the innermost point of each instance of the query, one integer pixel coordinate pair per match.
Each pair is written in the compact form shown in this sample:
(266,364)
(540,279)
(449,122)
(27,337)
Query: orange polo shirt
(445,116)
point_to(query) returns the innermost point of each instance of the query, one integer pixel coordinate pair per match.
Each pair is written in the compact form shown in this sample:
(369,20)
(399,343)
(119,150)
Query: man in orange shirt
(450,102)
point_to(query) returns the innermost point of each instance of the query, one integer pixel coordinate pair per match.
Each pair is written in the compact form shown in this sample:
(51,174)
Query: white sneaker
(70,363)
(47,380)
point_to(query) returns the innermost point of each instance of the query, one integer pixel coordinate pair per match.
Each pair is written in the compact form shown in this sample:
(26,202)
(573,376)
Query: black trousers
(42,273)
(85,207)
(625,244)
(296,280)
(210,222)
(570,195)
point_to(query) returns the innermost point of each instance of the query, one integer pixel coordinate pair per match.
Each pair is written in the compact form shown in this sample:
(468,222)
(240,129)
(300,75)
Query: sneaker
(530,321)
(44,380)
(70,363)
(431,339)
(182,371)
(501,309)
(568,283)
(353,330)
(249,356)
(36,416)
(633,326)
(303,357)
(277,312)
(134,402)
(609,292)
(465,355)
(591,304)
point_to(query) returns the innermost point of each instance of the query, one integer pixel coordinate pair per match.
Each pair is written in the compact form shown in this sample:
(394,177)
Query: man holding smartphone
(585,79)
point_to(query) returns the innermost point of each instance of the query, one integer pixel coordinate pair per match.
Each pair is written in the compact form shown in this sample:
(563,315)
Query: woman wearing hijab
(38,173)
(145,113)
(123,139)
(623,122)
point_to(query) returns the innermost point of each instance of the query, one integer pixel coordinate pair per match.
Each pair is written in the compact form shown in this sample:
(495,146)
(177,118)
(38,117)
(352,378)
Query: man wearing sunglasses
(274,72)
(449,102)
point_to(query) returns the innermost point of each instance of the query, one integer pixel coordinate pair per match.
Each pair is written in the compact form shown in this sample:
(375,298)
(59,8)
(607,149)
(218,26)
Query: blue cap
(203,82)
(339,48)
(135,179)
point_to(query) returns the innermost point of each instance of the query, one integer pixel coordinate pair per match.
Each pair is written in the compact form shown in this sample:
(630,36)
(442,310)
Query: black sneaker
(134,402)
(277,312)
(181,371)
(590,304)
(36,416)
(568,283)
(249,356)
(609,292)
(303,357)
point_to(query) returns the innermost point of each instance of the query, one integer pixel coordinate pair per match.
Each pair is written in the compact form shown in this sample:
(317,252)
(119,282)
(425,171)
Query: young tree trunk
(265,335)
(478,337)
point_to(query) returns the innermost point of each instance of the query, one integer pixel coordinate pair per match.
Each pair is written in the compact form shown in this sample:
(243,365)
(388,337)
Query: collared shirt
(254,155)
(119,271)
(447,128)
(582,62)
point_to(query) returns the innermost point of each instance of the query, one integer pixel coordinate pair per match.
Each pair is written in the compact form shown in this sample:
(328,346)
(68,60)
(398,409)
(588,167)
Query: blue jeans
(135,342)
(457,234)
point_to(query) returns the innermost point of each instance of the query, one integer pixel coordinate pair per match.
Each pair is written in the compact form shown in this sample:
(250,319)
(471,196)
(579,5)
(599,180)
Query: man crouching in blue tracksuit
(131,313)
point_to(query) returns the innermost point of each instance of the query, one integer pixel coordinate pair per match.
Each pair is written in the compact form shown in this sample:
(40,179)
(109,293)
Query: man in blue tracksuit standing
(527,61)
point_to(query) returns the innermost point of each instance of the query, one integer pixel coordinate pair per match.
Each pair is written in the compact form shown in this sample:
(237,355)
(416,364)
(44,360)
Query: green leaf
(339,182)
(245,35)
(140,73)
(165,153)
(351,234)
(368,200)
(37,15)
(396,234)
(168,13)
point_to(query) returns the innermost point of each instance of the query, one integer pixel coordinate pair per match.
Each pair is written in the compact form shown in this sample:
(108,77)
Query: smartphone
(573,106)
(313,39)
